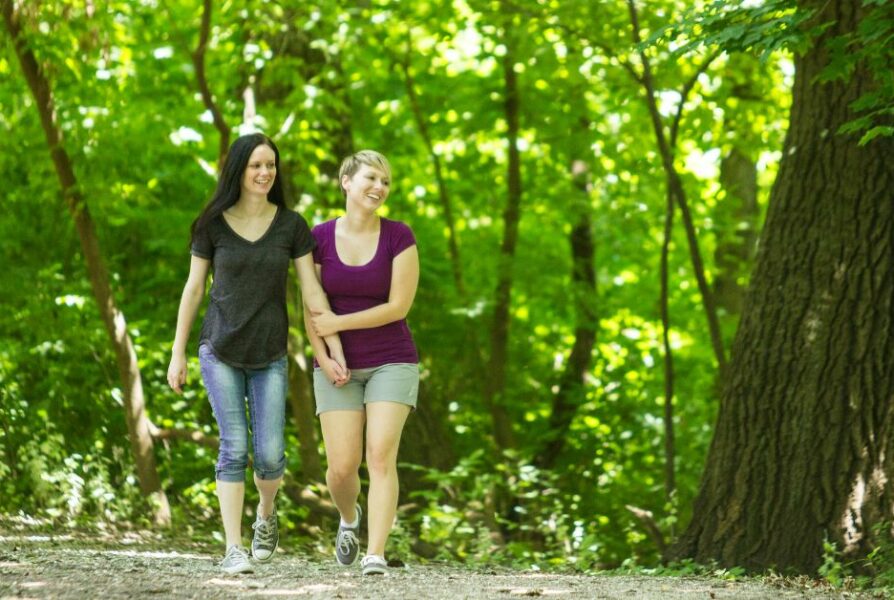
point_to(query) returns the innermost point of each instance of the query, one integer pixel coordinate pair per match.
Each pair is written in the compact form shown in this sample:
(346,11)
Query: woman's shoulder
(291,217)
(395,227)
(324,227)
(324,232)
(398,236)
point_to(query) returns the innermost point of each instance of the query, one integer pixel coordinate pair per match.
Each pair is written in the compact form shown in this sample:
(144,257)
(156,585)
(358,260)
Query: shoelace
(236,553)
(346,539)
(266,531)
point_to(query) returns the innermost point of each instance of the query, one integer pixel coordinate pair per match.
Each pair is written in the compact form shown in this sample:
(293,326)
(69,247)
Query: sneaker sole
(377,570)
(259,559)
(238,570)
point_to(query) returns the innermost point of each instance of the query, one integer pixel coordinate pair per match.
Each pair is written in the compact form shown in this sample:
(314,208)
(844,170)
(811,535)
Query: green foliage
(329,77)
(767,27)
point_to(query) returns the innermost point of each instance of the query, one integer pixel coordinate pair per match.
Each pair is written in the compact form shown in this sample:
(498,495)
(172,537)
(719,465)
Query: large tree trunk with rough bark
(803,446)
(138,426)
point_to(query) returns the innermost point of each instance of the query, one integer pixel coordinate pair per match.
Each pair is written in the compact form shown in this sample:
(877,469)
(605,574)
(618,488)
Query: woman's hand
(324,323)
(337,374)
(177,373)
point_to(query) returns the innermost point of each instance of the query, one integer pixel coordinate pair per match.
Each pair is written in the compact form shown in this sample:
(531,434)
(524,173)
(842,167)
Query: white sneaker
(236,561)
(373,564)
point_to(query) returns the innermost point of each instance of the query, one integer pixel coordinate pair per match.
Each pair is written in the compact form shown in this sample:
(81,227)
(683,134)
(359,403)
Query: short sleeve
(318,249)
(302,241)
(201,245)
(322,233)
(401,238)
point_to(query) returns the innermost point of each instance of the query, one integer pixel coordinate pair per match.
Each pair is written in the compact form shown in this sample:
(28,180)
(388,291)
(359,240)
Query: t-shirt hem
(236,364)
(391,361)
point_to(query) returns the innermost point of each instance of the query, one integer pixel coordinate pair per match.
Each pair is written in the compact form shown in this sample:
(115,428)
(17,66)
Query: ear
(345,180)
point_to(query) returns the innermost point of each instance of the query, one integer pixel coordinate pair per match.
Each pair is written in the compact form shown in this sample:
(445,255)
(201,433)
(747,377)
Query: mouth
(262,181)
(374,197)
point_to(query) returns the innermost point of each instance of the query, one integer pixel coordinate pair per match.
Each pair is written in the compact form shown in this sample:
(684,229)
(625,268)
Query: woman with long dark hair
(247,236)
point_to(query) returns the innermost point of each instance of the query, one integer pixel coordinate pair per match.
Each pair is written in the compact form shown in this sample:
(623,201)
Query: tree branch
(198,61)
(675,186)
(684,94)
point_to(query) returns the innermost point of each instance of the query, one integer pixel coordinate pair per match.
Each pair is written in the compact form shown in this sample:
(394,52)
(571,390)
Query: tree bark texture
(803,445)
(138,426)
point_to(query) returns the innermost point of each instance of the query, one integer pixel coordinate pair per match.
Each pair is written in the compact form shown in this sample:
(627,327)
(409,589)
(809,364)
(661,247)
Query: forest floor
(78,565)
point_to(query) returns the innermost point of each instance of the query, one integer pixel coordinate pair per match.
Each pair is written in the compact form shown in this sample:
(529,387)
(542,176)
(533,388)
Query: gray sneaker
(347,542)
(266,537)
(236,561)
(373,564)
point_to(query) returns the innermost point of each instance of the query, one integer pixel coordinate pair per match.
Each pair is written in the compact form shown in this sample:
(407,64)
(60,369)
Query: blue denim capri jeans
(264,390)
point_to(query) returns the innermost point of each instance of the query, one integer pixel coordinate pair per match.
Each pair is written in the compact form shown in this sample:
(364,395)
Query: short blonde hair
(370,158)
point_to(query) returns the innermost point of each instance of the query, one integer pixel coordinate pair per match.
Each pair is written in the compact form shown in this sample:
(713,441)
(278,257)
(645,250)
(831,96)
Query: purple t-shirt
(353,289)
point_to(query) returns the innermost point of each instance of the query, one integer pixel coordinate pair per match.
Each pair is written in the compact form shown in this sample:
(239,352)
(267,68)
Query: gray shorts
(394,382)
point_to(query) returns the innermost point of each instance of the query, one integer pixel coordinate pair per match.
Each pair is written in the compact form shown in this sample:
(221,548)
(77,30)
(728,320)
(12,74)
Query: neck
(251,205)
(360,222)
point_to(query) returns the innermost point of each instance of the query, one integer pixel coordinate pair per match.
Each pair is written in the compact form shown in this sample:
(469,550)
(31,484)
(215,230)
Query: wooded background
(657,247)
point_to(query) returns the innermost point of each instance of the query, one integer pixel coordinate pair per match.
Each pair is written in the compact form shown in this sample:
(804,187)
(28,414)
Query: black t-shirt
(247,323)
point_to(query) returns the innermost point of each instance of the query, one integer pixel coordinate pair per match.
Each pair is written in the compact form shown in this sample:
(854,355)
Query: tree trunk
(443,194)
(198,62)
(301,394)
(499,332)
(675,184)
(425,440)
(802,450)
(138,426)
(583,287)
(736,219)
(670,448)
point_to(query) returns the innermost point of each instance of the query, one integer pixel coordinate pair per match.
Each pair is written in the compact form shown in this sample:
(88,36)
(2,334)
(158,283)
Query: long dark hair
(229,184)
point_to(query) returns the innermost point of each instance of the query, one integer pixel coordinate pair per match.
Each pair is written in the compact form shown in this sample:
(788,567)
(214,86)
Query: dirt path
(67,567)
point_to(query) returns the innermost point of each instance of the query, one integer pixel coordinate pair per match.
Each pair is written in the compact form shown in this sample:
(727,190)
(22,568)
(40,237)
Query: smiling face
(368,188)
(260,172)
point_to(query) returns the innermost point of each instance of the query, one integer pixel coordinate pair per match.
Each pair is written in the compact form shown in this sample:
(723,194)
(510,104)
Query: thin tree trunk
(736,220)
(670,482)
(675,185)
(804,441)
(494,386)
(583,285)
(443,194)
(301,394)
(138,426)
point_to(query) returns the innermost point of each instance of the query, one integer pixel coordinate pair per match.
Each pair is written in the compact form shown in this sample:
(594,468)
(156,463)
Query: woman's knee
(270,461)
(342,470)
(232,460)
(380,460)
